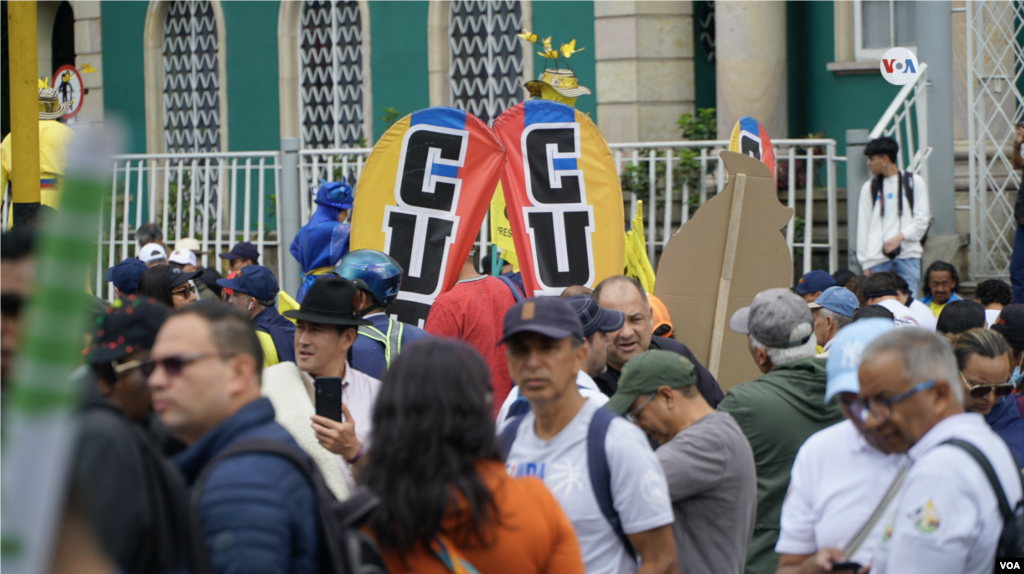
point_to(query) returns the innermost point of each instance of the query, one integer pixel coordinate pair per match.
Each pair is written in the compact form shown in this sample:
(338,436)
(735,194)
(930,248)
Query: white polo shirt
(945,519)
(836,482)
(906,317)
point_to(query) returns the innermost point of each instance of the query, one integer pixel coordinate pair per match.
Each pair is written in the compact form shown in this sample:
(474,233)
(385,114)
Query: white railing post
(833,223)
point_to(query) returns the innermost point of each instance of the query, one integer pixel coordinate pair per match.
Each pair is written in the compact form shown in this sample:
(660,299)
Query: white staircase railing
(905,116)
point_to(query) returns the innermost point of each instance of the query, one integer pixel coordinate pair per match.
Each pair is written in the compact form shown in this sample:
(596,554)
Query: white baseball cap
(152,252)
(183,257)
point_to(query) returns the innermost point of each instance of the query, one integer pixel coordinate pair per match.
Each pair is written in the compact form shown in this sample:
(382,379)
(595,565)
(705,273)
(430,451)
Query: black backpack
(1011,539)
(344,549)
(906,179)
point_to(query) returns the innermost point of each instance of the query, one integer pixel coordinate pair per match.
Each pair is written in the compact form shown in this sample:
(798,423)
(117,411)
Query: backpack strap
(516,293)
(990,473)
(908,182)
(326,519)
(508,435)
(601,475)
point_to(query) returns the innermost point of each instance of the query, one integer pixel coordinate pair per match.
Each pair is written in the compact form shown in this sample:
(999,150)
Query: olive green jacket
(777,413)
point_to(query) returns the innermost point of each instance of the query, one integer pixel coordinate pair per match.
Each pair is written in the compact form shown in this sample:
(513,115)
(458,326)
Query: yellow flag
(638,266)
(501,230)
(286,303)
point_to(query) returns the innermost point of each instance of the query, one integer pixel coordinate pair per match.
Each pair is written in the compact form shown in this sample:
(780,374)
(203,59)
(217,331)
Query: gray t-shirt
(711,480)
(638,485)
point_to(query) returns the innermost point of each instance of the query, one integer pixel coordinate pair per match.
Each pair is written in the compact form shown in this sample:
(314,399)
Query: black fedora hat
(330,301)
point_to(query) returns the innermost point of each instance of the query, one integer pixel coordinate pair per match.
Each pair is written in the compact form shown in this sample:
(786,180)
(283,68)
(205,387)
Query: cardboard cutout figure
(562,195)
(716,263)
(421,198)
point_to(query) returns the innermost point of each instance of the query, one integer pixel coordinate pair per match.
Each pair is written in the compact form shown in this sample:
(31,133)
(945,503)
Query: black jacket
(133,496)
(608,381)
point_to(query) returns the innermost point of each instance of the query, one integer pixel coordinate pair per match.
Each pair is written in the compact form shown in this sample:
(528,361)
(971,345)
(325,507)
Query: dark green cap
(646,372)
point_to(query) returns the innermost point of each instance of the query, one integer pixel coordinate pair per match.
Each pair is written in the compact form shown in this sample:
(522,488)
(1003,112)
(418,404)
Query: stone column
(89,50)
(750,65)
(644,54)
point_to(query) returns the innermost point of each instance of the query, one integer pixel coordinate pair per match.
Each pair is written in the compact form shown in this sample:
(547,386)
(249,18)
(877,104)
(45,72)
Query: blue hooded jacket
(323,241)
(258,511)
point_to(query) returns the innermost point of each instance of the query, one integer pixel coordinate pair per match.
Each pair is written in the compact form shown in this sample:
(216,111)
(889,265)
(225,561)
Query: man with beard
(625,294)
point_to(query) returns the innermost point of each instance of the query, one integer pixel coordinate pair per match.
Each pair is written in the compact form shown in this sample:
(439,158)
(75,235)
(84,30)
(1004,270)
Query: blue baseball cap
(593,317)
(814,281)
(548,316)
(838,300)
(844,355)
(242,250)
(255,281)
(125,275)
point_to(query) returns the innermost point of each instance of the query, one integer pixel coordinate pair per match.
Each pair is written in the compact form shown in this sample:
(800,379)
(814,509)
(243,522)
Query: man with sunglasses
(840,473)
(257,510)
(17,272)
(599,467)
(945,517)
(779,409)
(132,496)
(707,461)
(254,292)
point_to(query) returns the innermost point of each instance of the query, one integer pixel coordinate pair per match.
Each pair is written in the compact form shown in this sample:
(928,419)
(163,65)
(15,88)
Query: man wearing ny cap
(242,254)
(125,276)
(832,310)
(326,324)
(636,336)
(813,284)
(707,461)
(471,312)
(780,409)
(840,473)
(254,292)
(598,466)
(597,322)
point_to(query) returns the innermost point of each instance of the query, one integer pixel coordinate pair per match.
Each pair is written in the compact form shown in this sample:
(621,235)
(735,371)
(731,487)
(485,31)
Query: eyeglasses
(173,365)
(632,414)
(184,292)
(981,391)
(10,305)
(881,409)
(125,367)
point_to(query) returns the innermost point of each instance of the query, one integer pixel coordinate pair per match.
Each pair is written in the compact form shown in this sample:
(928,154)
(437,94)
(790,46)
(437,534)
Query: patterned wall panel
(191,82)
(331,74)
(485,56)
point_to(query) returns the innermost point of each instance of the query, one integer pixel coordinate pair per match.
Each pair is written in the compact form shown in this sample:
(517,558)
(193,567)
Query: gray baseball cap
(777,318)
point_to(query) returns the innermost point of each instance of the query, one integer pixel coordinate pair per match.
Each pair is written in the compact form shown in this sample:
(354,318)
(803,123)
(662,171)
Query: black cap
(179,277)
(125,326)
(548,316)
(242,250)
(593,317)
(329,301)
(1010,325)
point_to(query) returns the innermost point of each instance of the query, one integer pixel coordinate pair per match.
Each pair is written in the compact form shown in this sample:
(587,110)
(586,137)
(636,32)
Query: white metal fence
(908,115)
(222,198)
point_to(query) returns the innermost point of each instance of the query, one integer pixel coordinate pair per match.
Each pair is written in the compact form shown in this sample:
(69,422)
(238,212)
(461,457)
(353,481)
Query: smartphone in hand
(845,566)
(328,397)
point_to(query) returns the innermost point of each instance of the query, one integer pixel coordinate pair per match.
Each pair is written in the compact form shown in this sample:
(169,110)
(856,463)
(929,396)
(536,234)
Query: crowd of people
(563,434)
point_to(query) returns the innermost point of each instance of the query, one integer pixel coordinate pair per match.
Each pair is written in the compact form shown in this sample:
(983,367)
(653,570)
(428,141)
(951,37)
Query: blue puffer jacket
(258,511)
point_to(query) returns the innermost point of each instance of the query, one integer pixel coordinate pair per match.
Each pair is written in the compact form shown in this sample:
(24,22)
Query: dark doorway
(62,43)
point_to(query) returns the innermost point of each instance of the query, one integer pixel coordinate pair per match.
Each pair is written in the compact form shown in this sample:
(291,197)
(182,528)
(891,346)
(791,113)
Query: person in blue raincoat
(323,241)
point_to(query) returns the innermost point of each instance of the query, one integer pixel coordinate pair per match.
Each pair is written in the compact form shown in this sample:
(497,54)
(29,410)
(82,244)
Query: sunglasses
(10,305)
(982,391)
(173,365)
(184,292)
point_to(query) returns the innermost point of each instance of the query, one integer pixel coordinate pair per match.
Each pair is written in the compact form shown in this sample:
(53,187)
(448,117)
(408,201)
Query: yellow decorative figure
(54,138)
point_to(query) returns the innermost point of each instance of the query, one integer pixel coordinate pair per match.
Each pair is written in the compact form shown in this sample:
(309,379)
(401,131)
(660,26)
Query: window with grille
(191,82)
(485,57)
(883,24)
(331,74)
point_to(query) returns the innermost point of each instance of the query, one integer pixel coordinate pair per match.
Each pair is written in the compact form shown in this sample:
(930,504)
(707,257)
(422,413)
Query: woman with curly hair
(447,504)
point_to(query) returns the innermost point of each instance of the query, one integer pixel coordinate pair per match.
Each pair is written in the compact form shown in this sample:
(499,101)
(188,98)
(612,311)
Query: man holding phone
(326,325)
